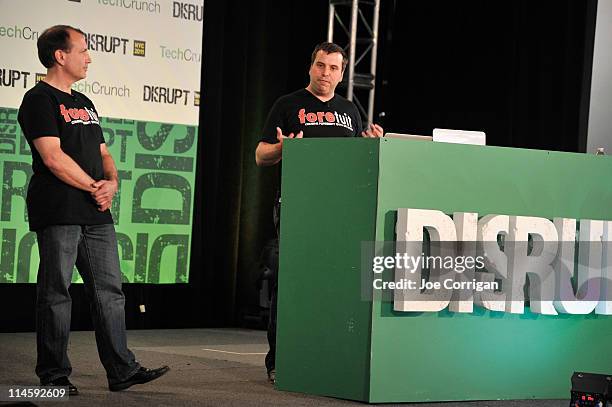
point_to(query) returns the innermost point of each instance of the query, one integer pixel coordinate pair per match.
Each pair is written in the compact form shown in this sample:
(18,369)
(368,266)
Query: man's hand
(269,154)
(373,130)
(104,193)
(280,137)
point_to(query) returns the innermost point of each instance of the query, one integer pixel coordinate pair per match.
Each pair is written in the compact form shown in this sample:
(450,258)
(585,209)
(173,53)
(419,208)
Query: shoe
(64,382)
(143,375)
(272,376)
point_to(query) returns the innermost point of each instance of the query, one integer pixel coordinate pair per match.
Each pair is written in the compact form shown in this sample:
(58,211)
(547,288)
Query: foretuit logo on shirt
(76,116)
(325,119)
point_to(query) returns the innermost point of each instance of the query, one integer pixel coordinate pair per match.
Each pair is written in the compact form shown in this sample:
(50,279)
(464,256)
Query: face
(325,73)
(76,60)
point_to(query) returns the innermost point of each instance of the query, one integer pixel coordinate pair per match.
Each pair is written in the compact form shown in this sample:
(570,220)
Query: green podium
(338,193)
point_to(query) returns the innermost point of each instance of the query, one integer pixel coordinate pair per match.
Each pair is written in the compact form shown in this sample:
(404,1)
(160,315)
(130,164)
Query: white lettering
(505,253)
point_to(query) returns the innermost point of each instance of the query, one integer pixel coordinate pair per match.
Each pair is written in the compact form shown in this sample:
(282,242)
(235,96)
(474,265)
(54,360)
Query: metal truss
(353,24)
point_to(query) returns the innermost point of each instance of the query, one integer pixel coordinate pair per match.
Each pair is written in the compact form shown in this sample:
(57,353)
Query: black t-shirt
(301,110)
(47,111)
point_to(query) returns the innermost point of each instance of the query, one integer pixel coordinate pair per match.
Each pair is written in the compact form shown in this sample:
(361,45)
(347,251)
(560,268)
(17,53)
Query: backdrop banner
(144,81)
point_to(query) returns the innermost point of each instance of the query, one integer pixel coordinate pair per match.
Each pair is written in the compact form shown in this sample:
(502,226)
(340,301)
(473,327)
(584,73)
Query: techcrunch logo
(96,88)
(146,6)
(114,45)
(23,33)
(179,54)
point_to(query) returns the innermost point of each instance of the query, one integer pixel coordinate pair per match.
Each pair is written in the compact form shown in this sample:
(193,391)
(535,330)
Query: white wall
(600,111)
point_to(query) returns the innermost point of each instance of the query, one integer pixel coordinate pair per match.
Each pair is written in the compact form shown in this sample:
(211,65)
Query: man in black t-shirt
(315,111)
(72,187)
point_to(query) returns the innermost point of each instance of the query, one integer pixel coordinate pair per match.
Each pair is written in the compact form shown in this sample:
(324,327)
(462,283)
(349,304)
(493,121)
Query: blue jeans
(93,249)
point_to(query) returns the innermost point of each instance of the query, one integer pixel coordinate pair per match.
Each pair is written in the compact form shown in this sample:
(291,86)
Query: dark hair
(52,39)
(330,48)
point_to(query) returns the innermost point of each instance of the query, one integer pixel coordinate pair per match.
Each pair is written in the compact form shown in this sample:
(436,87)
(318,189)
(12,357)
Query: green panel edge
(329,202)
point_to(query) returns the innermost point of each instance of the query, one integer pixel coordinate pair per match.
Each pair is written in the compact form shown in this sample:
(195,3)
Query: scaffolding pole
(353,24)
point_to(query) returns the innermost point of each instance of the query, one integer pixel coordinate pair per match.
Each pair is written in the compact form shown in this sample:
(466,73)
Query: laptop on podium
(446,136)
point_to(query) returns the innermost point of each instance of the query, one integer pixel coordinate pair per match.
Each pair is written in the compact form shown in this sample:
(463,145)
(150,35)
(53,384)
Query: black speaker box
(591,389)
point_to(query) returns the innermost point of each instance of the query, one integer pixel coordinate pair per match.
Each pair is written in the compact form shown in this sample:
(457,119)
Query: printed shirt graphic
(302,111)
(79,116)
(49,112)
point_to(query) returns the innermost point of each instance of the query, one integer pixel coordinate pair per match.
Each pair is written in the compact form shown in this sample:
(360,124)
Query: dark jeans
(93,249)
(272,263)
(271,355)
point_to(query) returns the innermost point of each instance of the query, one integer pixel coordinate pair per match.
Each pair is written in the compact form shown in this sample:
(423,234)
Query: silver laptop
(408,136)
(460,136)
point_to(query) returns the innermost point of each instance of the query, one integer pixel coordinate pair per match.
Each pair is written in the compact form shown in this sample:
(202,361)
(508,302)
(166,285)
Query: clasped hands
(104,192)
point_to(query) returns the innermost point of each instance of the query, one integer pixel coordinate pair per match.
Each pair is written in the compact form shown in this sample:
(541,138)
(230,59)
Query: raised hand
(280,136)
(373,130)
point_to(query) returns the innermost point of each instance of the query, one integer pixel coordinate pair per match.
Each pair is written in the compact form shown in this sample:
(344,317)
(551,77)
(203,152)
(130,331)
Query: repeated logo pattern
(152,71)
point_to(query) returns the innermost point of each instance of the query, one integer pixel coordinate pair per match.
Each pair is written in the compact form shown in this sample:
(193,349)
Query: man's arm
(106,188)
(267,154)
(62,165)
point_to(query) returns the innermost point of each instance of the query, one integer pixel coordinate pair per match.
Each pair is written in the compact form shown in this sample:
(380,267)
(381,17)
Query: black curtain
(518,70)
(254,52)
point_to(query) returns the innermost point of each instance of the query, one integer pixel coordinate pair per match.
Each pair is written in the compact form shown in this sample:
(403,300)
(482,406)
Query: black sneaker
(272,376)
(143,375)
(64,382)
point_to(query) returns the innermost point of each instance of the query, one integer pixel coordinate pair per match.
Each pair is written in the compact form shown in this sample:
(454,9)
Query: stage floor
(210,367)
